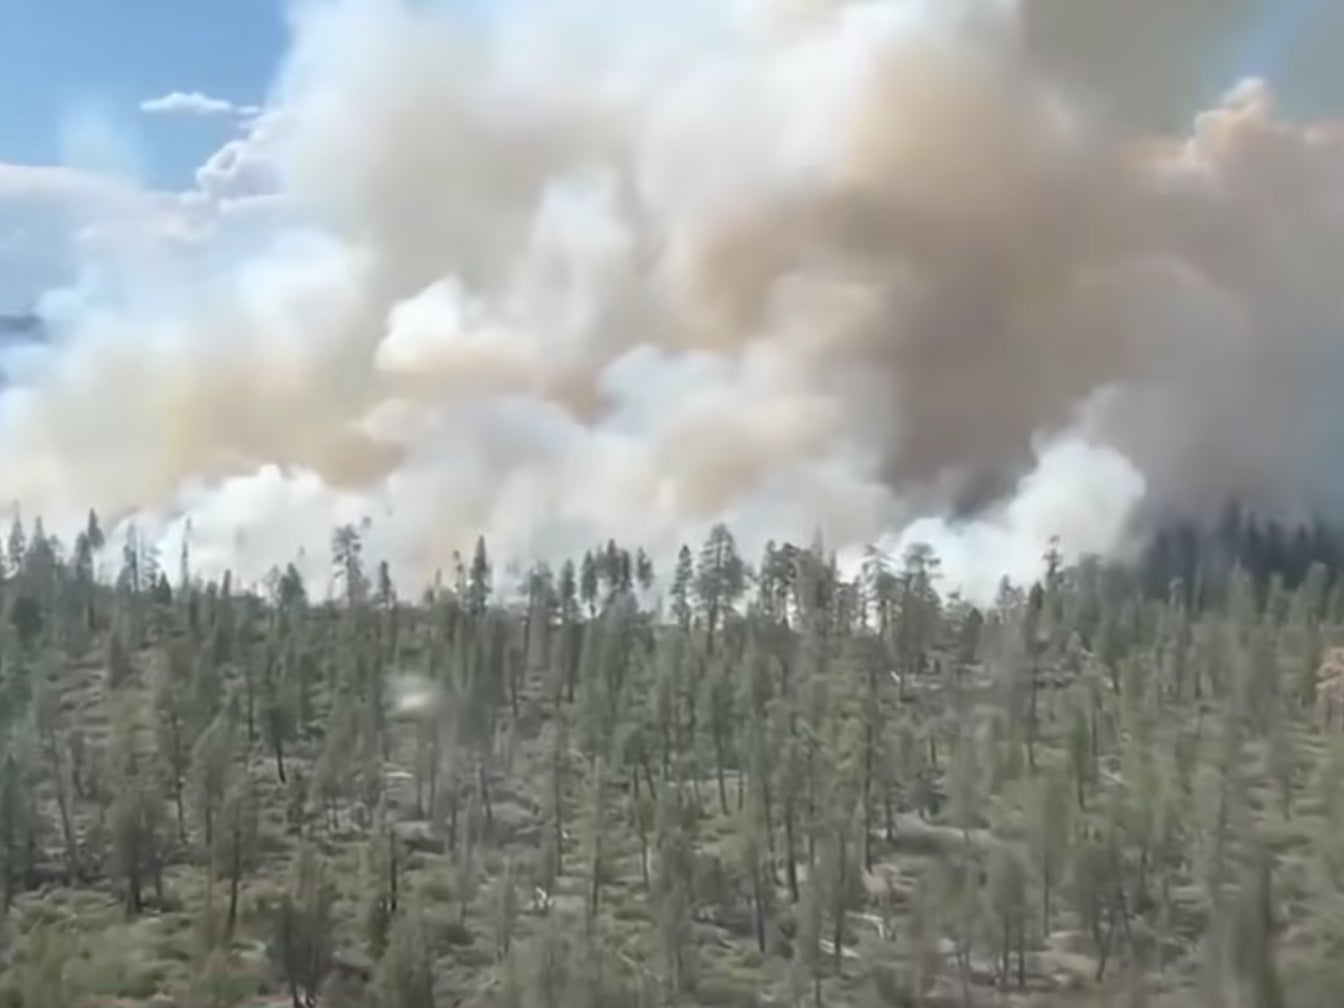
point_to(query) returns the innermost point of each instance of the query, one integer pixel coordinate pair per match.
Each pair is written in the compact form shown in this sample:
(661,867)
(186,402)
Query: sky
(76,72)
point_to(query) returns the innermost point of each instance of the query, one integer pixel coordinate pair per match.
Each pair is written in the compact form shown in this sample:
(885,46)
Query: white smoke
(557,272)
(1080,496)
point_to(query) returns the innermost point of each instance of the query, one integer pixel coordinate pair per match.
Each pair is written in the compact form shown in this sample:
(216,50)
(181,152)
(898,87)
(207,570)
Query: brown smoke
(831,265)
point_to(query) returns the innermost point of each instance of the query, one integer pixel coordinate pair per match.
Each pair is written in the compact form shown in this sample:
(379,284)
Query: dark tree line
(1201,557)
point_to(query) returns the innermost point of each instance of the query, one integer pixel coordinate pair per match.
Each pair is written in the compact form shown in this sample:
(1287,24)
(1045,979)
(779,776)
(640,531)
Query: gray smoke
(561,271)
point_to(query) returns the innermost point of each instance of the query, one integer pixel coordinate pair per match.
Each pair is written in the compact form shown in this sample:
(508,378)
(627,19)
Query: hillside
(783,789)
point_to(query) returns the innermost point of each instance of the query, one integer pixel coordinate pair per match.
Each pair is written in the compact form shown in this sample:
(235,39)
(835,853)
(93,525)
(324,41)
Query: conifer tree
(303,943)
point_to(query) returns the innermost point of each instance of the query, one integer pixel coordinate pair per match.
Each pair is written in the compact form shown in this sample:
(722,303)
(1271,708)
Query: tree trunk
(484,782)
(420,748)
(869,758)
(453,804)
(177,807)
(1046,881)
(251,703)
(134,903)
(559,817)
(1005,953)
(235,883)
(688,743)
(644,855)
(433,783)
(759,914)
(648,777)
(63,806)
(575,637)
(156,869)
(767,813)
(963,970)
(718,768)
(1103,943)
(393,873)
(1022,952)
(838,910)
(30,843)
(595,883)
(1032,721)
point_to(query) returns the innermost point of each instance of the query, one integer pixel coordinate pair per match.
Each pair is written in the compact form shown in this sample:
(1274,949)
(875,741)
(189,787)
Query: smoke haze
(564,270)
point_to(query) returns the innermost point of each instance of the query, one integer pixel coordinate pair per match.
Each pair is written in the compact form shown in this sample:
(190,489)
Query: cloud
(555,277)
(193,103)
(244,166)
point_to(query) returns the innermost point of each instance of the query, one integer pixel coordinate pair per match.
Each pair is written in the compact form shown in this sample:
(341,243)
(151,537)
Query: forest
(740,782)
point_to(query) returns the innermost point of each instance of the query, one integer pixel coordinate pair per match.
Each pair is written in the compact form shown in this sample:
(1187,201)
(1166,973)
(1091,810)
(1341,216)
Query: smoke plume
(559,271)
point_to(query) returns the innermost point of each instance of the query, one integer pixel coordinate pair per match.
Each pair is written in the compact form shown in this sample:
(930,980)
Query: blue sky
(74,72)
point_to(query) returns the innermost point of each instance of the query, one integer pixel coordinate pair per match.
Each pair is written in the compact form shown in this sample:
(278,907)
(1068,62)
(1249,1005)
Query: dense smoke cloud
(561,271)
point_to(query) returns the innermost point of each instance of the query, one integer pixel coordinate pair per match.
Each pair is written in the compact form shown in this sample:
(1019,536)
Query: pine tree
(137,817)
(479,580)
(682,585)
(304,943)
(348,565)
(404,978)
(212,775)
(720,579)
